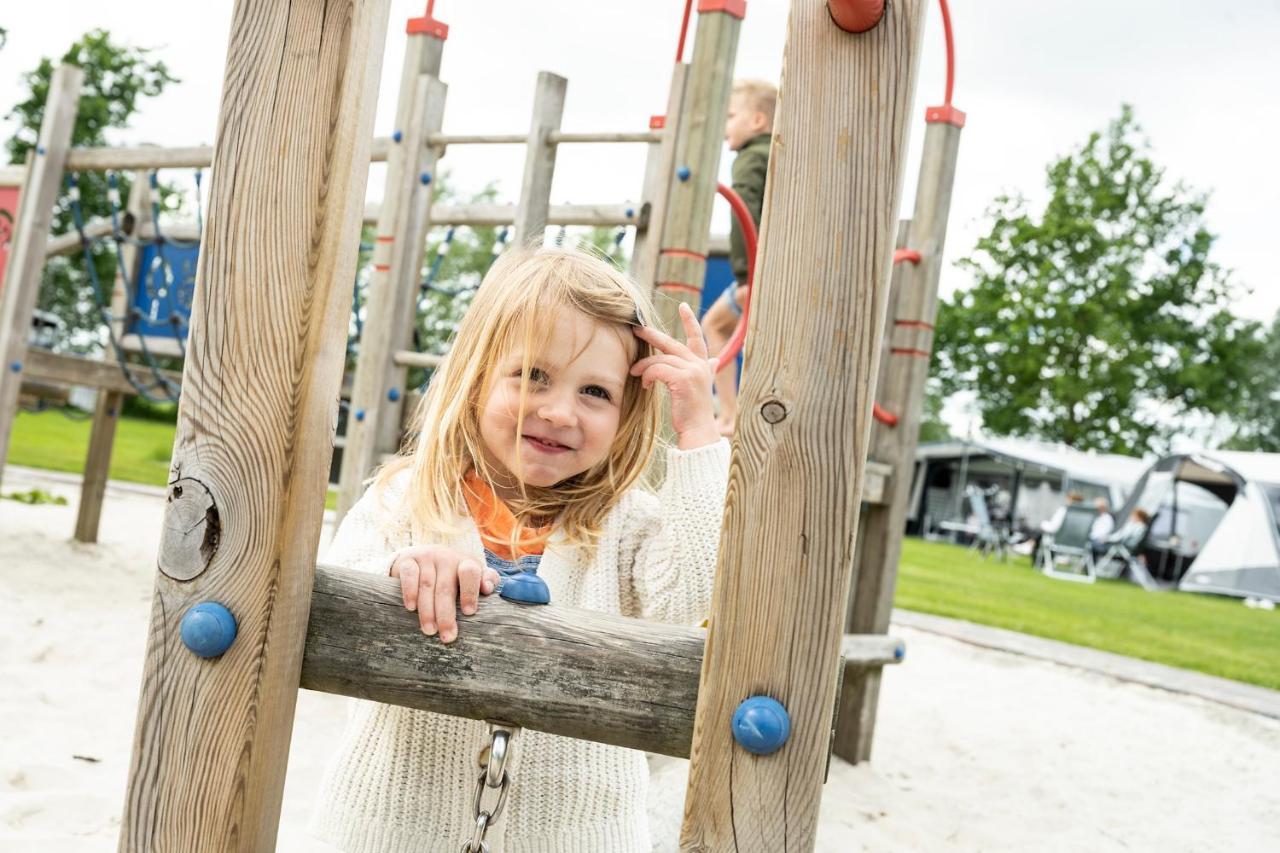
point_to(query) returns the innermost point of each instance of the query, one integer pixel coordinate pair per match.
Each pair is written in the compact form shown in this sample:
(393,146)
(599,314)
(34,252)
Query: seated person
(1102,528)
(1051,525)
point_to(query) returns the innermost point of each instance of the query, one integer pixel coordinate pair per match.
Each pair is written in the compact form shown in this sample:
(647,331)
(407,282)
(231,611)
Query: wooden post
(901,390)
(658,169)
(377,390)
(686,222)
(256,421)
(26,261)
(539,160)
(835,177)
(106,412)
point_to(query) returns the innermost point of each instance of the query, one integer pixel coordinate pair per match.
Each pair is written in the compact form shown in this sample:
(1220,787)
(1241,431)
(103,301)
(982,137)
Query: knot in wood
(773,412)
(192,530)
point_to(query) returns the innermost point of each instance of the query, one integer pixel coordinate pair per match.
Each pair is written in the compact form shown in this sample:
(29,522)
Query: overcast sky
(1034,77)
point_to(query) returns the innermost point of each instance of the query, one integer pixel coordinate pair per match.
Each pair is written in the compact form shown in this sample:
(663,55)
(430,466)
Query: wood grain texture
(831,202)
(396,265)
(901,389)
(576,673)
(156,157)
(30,237)
(539,160)
(658,169)
(490,215)
(256,420)
(45,366)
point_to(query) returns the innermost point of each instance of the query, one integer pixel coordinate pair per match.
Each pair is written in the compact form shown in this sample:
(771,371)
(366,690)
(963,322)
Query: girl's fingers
(406,569)
(490,582)
(661,341)
(664,373)
(648,361)
(446,600)
(426,596)
(469,579)
(693,332)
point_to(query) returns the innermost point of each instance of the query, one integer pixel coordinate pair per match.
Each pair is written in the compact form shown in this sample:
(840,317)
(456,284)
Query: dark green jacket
(749,169)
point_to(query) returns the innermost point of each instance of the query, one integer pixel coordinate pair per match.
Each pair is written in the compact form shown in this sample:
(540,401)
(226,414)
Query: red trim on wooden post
(737,8)
(427,25)
(945,114)
(684,253)
(856,16)
(678,285)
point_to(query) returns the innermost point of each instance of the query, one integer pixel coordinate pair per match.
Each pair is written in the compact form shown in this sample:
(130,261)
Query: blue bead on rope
(208,629)
(761,725)
(683,173)
(397,136)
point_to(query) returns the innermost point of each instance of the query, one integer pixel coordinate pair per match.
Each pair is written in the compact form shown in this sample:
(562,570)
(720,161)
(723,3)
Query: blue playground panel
(167,282)
(719,276)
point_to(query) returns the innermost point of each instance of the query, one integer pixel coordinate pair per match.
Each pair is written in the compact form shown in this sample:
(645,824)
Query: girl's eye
(597,391)
(537,376)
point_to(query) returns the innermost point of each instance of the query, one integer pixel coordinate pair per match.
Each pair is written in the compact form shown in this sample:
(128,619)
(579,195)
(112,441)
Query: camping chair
(1122,557)
(988,538)
(1066,553)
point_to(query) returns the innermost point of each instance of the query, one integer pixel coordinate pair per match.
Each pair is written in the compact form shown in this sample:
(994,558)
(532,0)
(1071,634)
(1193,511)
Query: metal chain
(493,776)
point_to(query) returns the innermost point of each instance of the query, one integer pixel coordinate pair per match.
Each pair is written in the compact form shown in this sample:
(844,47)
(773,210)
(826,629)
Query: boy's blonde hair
(516,308)
(759,95)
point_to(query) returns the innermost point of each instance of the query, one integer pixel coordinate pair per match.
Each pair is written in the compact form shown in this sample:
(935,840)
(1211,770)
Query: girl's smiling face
(569,417)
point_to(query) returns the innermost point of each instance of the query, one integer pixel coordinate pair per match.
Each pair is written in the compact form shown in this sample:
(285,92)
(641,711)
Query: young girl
(531,436)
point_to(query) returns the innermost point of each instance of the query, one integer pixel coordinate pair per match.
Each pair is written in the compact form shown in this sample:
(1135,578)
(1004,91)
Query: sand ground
(977,750)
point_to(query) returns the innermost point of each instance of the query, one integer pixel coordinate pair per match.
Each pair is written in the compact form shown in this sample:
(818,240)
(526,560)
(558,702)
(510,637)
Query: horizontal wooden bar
(156,157)
(867,650)
(554,669)
(494,215)
(477,138)
(41,365)
(408,358)
(564,137)
(568,672)
(12,176)
(65,244)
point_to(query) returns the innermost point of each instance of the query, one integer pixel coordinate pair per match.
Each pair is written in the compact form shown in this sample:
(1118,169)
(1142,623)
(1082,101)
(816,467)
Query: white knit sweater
(403,780)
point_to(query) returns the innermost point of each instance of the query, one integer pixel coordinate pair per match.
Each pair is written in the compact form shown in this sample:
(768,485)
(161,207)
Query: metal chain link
(493,776)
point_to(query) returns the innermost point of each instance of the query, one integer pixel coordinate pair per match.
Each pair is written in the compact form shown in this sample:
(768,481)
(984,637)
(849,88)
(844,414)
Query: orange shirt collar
(496,523)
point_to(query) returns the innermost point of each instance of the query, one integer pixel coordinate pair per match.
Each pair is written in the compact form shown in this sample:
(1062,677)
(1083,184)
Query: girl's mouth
(545,445)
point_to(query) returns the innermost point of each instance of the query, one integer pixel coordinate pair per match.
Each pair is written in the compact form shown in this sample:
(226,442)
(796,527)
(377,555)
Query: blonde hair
(515,309)
(760,95)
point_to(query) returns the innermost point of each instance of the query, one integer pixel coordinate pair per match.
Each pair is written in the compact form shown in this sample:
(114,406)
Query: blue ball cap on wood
(526,588)
(761,725)
(208,629)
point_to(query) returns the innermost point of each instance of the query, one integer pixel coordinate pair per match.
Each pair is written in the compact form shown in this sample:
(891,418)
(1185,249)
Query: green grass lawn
(1207,633)
(141,453)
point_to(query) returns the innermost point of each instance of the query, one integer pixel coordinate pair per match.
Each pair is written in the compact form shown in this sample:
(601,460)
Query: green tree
(1101,321)
(932,426)
(1257,420)
(117,78)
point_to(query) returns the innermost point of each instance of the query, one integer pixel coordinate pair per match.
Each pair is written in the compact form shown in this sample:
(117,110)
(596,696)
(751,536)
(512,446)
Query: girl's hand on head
(687,372)
(435,580)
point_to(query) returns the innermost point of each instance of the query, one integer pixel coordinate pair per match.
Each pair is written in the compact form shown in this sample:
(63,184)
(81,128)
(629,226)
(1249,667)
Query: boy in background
(749,131)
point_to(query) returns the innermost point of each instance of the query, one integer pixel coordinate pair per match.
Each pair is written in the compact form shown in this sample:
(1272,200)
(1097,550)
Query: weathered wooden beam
(68,243)
(647,137)
(59,369)
(658,169)
(539,160)
(408,358)
(576,673)
(106,413)
(403,218)
(255,424)
(31,236)
(901,389)
(156,157)
(492,215)
(831,199)
(686,223)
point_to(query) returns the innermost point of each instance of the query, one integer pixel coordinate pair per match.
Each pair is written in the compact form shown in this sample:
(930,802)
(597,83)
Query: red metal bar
(748,226)
(684,30)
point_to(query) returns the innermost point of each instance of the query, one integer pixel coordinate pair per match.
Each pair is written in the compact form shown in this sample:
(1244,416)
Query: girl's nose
(558,411)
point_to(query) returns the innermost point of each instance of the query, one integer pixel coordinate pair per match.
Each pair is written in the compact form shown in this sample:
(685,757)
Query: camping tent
(1032,477)
(1215,522)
